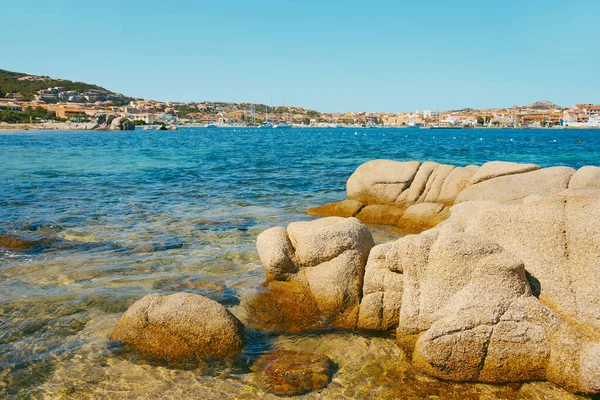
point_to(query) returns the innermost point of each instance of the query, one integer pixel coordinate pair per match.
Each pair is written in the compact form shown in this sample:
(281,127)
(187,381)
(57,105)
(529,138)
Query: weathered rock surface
(380,181)
(324,261)
(470,302)
(276,253)
(381,214)
(417,186)
(511,188)
(292,373)
(344,208)
(382,291)
(422,216)
(456,181)
(180,328)
(558,239)
(585,177)
(494,169)
(380,191)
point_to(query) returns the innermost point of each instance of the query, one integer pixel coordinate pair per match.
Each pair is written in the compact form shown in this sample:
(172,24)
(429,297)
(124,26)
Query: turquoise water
(133,213)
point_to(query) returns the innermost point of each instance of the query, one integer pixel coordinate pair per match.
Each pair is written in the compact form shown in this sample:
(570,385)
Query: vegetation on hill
(544,105)
(10,83)
(28,115)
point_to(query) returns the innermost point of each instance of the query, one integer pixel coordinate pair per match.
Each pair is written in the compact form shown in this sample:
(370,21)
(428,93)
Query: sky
(330,56)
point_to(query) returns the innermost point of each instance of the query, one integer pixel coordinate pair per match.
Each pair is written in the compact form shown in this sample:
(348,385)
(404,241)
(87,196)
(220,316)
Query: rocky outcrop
(391,192)
(320,264)
(112,122)
(180,328)
(122,124)
(468,301)
(502,285)
(164,127)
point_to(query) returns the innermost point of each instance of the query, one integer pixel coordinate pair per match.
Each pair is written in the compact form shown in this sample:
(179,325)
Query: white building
(432,114)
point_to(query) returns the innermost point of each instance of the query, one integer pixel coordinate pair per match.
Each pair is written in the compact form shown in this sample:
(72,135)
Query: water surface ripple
(133,213)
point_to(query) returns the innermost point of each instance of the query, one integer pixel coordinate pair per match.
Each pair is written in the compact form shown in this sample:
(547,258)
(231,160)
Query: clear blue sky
(327,55)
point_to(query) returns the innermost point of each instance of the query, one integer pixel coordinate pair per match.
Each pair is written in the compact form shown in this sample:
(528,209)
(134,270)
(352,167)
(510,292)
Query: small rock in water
(180,328)
(292,373)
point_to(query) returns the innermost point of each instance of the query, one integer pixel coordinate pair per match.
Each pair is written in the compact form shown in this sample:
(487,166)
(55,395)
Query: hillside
(28,85)
(544,105)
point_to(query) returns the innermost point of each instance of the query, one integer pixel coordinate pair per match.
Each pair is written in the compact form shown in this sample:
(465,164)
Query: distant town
(63,104)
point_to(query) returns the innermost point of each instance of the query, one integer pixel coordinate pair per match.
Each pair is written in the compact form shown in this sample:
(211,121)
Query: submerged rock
(180,328)
(344,208)
(292,373)
(20,243)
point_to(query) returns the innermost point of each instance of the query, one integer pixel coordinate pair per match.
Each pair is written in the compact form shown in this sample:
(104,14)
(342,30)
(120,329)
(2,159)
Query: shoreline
(64,126)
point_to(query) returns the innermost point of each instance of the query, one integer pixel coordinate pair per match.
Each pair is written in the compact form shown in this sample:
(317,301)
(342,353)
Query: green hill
(10,83)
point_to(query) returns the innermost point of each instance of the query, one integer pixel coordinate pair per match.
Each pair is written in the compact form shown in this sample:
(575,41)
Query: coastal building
(431,114)
(589,109)
(69,111)
(9,105)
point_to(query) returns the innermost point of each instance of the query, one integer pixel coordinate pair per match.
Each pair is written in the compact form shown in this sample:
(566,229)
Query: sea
(122,214)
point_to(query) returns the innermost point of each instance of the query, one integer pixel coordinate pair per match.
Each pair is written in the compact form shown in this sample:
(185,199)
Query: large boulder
(322,260)
(121,124)
(180,328)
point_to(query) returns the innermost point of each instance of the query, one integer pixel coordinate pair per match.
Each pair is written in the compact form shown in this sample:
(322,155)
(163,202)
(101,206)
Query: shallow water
(161,212)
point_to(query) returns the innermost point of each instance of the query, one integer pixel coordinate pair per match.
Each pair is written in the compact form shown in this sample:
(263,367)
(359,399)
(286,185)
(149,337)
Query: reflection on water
(124,214)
